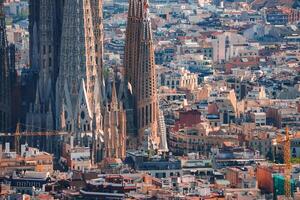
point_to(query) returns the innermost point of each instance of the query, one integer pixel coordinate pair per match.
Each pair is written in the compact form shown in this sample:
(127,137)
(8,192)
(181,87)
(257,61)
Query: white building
(223,44)
(257,93)
(79,158)
(259,118)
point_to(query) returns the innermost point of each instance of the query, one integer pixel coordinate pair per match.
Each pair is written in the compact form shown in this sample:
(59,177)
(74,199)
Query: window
(147,115)
(82,115)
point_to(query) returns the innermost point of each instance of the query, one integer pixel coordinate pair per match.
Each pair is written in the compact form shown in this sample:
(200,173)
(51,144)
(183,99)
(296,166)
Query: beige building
(283,115)
(78,158)
(257,93)
(241,177)
(259,118)
(181,78)
(262,143)
(199,138)
(226,103)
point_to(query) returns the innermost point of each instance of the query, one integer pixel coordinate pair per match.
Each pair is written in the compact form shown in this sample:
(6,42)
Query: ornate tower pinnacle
(114,125)
(80,75)
(140,68)
(45,18)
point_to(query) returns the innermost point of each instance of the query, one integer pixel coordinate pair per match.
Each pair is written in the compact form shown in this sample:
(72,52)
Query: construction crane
(287,161)
(17,138)
(18,134)
(25,134)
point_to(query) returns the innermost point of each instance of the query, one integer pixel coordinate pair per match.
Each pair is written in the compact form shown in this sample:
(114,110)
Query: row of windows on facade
(179,148)
(84,127)
(148,89)
(45,49)
(194,140)
(176,97)
(28,184)
(147,115)
(148,94)
(163,174)
(187,81)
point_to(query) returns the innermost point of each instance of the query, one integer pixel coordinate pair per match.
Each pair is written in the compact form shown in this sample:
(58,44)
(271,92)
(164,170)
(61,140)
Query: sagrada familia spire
(45,22)
(78,87)
(72,95)
(141,73)
(5,89)
(85,104)
(98,111)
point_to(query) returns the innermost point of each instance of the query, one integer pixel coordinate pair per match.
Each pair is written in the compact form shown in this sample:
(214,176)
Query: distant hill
(258,4)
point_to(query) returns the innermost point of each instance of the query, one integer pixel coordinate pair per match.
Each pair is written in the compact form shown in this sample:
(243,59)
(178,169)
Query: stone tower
(45,23)
(78,87)
(140,70)
(5,83)
(114,124)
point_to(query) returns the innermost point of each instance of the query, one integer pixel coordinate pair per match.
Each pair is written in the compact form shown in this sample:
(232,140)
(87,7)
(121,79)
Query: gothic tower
(140,69)
(45,24)
(114,125)
(45,21)
(5,83)
(78,87)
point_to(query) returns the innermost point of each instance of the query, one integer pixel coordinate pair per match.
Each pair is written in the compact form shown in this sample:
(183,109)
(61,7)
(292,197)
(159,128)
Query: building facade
(180,79)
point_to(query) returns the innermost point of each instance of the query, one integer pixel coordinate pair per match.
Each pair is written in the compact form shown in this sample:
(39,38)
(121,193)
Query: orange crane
(18,134)
(287,162)
(17,138)
(25,134)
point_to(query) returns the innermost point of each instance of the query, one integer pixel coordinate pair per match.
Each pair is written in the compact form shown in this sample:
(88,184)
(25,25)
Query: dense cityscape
(150,99)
